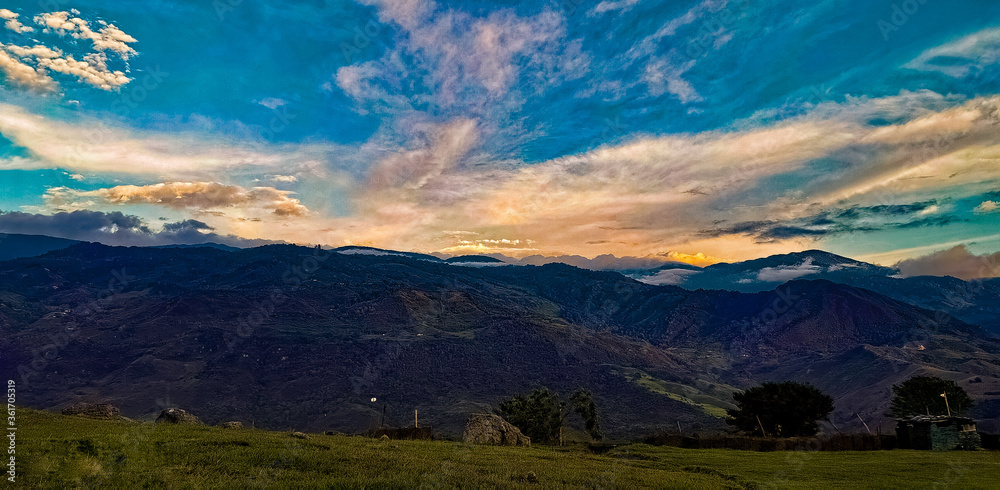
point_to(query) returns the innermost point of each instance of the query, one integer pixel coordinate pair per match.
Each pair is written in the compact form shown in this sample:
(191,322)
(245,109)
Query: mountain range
(976,302)
(282,336)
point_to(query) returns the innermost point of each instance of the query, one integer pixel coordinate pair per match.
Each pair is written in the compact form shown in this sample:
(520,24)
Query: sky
(698,131)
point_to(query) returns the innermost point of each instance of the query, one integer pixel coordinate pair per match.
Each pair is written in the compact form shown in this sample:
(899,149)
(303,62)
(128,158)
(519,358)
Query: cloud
(787,272)
(763,189)
(956,262)
(29,67)
(202,196)
(189,224)
(446,64)
(967,56)
(671,277)
(663,76)
(92,146)
(25,75)
(836,221)
(92,70)
(272,102)
(414,169)
(117,229)
(987,207)
(13,23)
(660,70)
(108,37)
(604,262)
(613,6)
(692,15)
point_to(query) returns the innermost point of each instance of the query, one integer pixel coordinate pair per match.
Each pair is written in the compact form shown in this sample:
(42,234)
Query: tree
(786,409)
(922,394)
(541,414)
(585,407)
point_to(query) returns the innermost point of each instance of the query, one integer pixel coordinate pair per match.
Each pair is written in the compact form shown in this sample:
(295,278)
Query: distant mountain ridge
(295,337)
(13,245)
(976,302)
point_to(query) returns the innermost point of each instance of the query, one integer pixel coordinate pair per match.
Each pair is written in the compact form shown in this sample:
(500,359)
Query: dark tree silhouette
(786,409)
(922,394)
(541,414)
(583,404)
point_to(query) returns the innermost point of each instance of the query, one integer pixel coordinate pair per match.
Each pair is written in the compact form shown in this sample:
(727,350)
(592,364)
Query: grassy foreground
(59,451)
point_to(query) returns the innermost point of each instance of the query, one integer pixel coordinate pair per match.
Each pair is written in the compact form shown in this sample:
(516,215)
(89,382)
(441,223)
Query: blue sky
(694,130)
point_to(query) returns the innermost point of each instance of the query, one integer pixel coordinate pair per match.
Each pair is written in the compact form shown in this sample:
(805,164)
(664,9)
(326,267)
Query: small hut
(937,433)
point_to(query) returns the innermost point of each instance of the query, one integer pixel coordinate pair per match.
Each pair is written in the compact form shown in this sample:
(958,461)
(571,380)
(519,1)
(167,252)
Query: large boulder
(493,430)
(93,411)
(177,416)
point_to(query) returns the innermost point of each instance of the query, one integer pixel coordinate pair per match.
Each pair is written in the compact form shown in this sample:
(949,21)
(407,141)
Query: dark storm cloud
(117,229)
(838,221)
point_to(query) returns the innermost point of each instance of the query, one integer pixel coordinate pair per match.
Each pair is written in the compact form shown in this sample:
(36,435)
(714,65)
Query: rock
(493,430)
(299,435)
(529,477)
(384,438)
(233,425)
(93,410)
(177,416)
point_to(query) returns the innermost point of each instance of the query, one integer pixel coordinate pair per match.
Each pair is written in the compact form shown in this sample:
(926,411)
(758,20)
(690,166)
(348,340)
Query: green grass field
(56,451)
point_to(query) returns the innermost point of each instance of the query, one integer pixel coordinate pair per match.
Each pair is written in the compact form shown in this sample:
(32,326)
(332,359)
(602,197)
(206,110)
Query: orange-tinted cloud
(203,196)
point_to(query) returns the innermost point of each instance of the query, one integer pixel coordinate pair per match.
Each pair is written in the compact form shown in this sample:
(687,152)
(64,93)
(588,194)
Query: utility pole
(762,431)
(415,419)
(945,396)
(863,422)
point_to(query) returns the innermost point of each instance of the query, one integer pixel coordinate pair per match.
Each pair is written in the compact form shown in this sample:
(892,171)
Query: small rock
(93,410)
(177,416)
(384,438)
(299,435)
(528,477)
(232,425)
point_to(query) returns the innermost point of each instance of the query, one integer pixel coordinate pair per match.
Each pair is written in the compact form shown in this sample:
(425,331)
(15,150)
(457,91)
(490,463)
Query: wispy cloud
(967,56)
(447,64)
(634,128)
(463,57)
(613,6)
(652,194)
(93,145)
